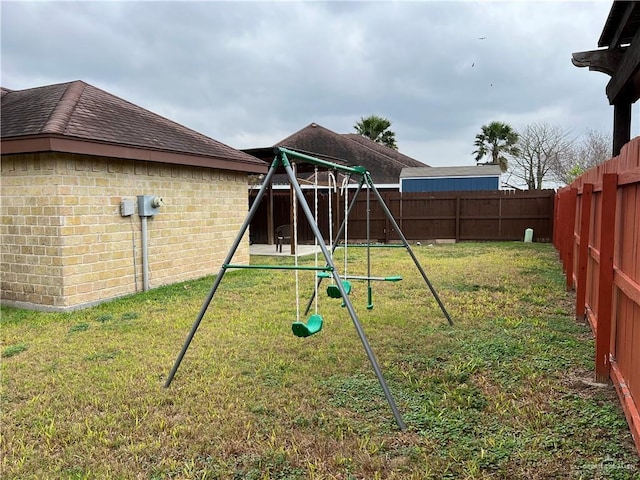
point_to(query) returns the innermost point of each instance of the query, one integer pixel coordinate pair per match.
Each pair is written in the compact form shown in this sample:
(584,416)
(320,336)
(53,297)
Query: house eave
(63,144)
(286,186)
(493,175)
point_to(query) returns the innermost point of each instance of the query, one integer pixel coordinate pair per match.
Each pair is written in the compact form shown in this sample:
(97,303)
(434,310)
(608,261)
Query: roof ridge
(395,155)
(284,140)
(394,160)
(61,114)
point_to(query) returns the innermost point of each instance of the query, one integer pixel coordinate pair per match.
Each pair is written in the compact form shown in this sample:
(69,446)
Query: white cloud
(244,72)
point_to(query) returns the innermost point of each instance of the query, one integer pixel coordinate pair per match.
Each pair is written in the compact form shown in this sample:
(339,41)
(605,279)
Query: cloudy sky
(251,73)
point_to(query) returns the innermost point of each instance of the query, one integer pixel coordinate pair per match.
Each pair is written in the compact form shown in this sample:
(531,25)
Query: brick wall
(64,244)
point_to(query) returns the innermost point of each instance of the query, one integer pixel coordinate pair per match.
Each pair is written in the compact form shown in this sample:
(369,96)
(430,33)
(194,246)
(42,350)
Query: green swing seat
(313,325)
(334,292)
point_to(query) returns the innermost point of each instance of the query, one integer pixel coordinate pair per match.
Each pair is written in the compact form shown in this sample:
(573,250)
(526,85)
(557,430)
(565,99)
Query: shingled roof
(384,150)
(384,163)
(76,117)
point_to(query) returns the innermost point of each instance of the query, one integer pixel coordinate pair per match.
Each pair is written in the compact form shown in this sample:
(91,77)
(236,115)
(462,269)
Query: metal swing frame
(282,160)
(365,179)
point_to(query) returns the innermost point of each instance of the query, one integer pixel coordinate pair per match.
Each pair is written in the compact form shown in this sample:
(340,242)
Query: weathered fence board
(600,251)
(460,216)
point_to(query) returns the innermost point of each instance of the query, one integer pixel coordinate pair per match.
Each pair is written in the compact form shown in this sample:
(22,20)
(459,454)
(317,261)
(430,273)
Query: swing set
(340,286)
(332,290)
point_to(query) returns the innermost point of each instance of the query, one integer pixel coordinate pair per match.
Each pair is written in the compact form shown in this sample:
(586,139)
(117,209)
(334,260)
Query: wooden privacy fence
(467,216)
(597,235)
(460,216)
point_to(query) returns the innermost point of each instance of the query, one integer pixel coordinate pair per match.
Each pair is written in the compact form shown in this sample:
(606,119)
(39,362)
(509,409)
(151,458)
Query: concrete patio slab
(270,250)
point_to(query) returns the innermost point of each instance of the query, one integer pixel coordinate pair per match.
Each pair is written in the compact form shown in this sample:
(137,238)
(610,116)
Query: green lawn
(504,393)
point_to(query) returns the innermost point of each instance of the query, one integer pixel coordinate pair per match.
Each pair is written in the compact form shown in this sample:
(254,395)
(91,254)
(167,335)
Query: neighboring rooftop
(429,172)
(76,117)
(383,163)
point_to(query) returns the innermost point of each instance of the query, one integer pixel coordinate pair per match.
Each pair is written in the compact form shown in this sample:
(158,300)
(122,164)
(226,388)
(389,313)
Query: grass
(503,394)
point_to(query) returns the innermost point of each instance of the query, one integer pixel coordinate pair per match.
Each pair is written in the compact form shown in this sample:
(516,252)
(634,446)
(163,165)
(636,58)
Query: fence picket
(606,237)
(463,216)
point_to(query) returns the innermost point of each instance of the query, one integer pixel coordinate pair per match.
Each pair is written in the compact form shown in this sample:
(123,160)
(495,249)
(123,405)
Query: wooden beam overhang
(622,64)
(620,60)
(624,85)
(604,61)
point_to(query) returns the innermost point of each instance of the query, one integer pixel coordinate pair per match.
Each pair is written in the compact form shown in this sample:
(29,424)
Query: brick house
(75,160)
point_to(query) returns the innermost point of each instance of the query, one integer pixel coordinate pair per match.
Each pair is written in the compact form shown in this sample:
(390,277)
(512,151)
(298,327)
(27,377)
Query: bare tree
(591,150)
(541,147)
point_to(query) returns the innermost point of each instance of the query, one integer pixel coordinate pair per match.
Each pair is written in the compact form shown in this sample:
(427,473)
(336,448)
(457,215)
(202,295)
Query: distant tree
(541,148)
(495,141)
(377,129)
(591,150)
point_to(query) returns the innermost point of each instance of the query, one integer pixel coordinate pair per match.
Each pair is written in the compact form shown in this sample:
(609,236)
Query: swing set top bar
(371,245)
(316,161)
(278,267)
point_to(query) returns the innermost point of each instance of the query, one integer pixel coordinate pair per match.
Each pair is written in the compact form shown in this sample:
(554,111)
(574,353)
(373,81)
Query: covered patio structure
(621,60)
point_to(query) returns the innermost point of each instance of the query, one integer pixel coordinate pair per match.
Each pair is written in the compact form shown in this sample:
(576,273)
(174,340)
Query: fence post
(500,218)
(605,285)
(555,221)
(561,239)
(583,252)
(569,241)
(387,226)
(457,218)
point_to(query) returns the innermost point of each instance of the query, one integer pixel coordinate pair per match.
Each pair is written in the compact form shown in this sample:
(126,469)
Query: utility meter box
(149,205)
(126,207)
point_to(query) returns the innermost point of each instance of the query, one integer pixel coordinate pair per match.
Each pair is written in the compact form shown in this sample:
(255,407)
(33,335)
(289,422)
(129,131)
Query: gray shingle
(384,163)
(450,171)
(82,111)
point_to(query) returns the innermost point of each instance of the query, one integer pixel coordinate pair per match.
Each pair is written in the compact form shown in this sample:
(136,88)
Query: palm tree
(377,129)
(496,140)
